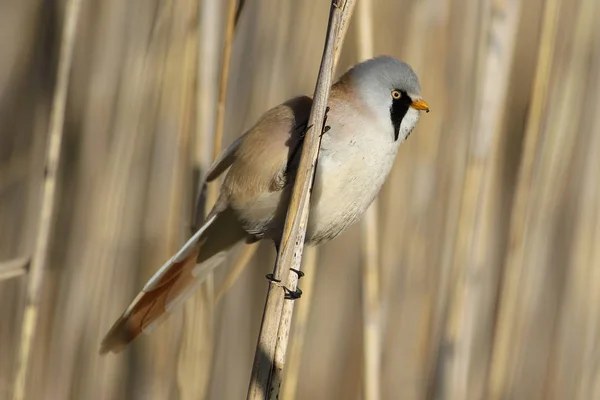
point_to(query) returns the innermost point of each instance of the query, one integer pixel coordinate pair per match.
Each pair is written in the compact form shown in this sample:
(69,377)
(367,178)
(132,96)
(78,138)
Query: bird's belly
(344,190)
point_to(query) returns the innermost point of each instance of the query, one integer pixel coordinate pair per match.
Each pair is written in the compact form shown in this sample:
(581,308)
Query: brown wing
(268,152)
(263,157)
(292,116)
(224,160)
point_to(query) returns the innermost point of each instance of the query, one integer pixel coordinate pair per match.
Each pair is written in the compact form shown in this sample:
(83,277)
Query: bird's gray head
(391,89)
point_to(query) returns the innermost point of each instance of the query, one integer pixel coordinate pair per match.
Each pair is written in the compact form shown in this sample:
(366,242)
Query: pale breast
(356,157)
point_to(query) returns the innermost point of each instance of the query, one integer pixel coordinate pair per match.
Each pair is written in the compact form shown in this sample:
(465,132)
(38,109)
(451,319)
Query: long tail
(176,280)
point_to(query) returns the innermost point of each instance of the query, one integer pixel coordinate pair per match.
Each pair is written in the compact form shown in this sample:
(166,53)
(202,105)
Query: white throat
(408,123)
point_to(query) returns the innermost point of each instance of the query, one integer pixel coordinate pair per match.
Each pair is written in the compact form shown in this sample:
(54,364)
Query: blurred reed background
(489,225)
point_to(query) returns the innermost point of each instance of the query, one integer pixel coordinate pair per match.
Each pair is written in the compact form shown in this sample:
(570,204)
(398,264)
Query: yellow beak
(420,105)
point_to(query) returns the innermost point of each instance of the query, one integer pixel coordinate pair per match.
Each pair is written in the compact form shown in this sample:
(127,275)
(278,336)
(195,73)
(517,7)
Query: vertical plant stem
(213,190)
(224,83)
(40,255)
(371,301)
(270,355)
(299,329)
(371,306)
(201,312)
(292,372)
(472,256)
(521,209)
(209,32)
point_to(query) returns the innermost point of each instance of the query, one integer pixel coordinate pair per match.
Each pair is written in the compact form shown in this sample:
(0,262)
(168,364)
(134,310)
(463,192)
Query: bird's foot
(326,127)
(304,128)
(298,272)
(292,294)
(289,294)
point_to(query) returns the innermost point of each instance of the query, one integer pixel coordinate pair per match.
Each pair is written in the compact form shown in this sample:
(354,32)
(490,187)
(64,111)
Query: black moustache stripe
(398,110)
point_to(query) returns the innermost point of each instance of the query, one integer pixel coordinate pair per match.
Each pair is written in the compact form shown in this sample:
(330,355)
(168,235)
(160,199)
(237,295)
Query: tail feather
(175,281)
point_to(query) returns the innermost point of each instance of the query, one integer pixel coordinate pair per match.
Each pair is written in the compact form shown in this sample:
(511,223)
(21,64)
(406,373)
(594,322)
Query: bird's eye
(396,94)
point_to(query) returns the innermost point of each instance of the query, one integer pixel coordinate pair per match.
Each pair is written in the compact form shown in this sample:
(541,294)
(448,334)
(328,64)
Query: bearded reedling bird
(373,108)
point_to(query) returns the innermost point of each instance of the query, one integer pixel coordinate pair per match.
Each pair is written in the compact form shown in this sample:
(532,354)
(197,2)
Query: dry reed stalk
(587,255)
(238,13)
(121,112)
(370,279)
(461,58)
(13,268)
(209,33)
(540,287)
(41,250)
(349,6)
(193,368)
(309,266)
(473,255)
(294,359)
(575,368)
(201,312)
(521,213)
(587,383)
(298,332)
(274,333)
(129,204)
(230,26)
(232,19)
(196,351)
(288,307)
(183,138)
(233,13)
(161,200)
(371,306)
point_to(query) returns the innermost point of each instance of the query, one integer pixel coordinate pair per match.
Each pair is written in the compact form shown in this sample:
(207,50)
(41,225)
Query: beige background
(483,298)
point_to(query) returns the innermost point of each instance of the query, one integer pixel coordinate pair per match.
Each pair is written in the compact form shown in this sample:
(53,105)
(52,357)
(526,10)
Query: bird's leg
(298,272)
(294,152)
(326,128)
(293,295)
(304,128)
(289,294)
(271,278)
